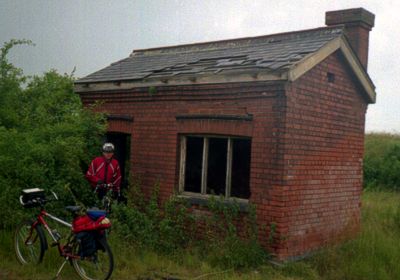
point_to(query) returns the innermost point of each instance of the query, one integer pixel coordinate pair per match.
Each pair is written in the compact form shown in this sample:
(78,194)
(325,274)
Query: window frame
(204,167)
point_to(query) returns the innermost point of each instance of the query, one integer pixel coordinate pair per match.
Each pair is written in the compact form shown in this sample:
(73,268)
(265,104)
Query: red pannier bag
(85,223)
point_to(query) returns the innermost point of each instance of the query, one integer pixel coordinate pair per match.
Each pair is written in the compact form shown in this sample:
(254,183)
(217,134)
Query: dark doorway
(122,143)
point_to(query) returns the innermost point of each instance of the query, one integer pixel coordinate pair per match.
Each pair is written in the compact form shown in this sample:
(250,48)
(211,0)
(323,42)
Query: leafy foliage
(46,137)
(231,237)
(382,161)
(174,226)
(149,226)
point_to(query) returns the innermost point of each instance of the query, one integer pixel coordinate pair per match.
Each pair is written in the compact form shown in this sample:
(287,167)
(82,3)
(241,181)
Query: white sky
(90,35)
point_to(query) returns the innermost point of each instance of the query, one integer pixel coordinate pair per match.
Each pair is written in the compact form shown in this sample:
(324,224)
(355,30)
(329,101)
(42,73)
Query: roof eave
(232,77)
(340,43)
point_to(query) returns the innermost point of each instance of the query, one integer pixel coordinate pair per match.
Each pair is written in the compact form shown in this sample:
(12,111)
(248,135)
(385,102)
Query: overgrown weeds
(373,255)
(173,227)
(230,238)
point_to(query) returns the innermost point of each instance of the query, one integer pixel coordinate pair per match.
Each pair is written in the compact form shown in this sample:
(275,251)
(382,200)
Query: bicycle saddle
(73,208)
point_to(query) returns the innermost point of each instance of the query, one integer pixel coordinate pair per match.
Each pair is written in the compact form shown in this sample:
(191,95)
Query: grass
(374,254)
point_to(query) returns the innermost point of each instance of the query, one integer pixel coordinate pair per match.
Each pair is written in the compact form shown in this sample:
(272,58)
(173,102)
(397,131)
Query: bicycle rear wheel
(99,266)
(29,243)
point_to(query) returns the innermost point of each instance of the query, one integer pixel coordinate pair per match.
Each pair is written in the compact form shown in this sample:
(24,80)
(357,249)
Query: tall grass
(374,254)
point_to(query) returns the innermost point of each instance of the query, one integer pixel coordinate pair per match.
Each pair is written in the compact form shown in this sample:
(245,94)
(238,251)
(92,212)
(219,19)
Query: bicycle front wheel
(29,243)
(99,266)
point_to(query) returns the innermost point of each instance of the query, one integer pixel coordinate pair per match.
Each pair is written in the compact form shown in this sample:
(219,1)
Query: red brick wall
(307,147)
(155,131)
(358,37)
(323,151)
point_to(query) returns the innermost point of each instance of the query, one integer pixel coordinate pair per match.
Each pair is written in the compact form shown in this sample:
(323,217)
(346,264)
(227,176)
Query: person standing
(105,170)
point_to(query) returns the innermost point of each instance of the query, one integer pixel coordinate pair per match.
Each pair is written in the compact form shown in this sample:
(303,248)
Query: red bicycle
(85,248)
(108,195)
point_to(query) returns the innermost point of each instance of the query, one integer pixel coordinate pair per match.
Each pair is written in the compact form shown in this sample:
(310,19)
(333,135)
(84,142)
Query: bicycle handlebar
(107,187)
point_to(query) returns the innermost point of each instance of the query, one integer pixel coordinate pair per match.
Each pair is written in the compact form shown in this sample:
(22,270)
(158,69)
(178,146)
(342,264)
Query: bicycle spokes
(27,244)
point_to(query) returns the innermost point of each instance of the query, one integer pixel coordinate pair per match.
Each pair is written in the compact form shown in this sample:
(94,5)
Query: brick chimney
(358,23)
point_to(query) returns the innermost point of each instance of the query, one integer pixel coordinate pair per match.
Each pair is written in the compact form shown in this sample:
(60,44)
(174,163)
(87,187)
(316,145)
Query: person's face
(108,155)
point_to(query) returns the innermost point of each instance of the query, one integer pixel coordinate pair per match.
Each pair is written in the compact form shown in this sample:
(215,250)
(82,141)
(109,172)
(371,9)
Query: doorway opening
(122,143)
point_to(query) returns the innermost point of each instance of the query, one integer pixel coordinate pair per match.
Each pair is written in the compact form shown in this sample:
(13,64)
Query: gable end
(340,43)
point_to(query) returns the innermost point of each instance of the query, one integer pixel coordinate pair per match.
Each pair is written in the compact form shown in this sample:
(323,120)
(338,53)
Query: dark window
(240,185)
(216,165)
(331,77)
(216,171)
(194,163)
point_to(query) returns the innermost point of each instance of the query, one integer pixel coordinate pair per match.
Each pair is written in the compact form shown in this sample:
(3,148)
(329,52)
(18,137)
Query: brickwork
(358,37)
(119,126)
(306,155)
(358,23)
(323,151)
(307,146)
(155,133)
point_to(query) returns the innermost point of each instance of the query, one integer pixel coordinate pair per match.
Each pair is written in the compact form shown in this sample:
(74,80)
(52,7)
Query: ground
(374,254)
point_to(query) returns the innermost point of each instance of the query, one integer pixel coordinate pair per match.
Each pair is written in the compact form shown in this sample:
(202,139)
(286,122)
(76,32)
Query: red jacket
(105,170)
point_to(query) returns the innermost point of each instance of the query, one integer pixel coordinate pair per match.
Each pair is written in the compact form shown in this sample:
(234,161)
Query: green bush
(225,244)
(382,162)
(149,226)
(172,227)
(47,138)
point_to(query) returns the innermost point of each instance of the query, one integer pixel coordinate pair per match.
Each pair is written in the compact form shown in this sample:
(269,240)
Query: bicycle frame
(67,254)
(106,200)
(42,221)
(69,248)
(61,248)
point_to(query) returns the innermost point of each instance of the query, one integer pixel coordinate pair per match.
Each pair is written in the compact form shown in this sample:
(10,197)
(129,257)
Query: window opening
(194,162)
(240,186)
(216,171)
(331,77)
(215,165)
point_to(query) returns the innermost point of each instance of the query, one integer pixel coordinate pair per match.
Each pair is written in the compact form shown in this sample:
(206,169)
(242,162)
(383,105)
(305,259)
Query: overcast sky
(90,35)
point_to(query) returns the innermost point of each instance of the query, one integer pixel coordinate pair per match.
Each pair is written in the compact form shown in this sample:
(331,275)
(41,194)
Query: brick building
(276,120)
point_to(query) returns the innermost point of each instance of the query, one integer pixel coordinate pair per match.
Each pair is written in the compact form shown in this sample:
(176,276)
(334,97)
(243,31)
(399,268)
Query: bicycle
(107,193)
(30,241)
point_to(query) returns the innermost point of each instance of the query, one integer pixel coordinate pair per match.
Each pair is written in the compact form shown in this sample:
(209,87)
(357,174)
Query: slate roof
(272,54)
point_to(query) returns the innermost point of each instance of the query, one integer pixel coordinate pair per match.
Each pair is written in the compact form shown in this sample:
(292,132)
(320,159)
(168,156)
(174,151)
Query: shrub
(382,162)
(143,222)
(226,246)
(172,227)
(46,137)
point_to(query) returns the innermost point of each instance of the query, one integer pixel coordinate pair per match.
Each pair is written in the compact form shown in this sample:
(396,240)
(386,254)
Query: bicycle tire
(34,251)
(88,266)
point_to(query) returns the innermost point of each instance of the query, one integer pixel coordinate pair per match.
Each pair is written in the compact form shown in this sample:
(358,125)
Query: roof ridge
(230,43)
